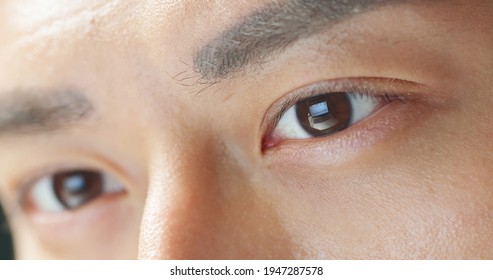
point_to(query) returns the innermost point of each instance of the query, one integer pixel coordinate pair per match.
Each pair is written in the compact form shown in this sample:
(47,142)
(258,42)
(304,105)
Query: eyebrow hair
(273,29)
(35,112)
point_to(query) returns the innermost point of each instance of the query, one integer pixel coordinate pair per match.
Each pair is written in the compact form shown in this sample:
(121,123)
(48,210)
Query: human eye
(67,190)
(323,110)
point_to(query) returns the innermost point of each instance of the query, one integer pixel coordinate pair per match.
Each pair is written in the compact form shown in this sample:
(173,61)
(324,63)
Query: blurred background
(6,250)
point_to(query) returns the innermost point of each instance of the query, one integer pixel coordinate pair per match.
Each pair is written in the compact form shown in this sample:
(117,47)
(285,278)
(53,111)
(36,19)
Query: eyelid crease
(390,89)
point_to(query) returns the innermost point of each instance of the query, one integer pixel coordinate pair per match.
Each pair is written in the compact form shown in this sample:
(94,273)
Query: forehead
(187,21)
(63,29)
(47,30)
(60,16)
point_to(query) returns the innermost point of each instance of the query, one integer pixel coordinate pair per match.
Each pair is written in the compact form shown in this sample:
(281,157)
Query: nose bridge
(200,205)
(181,195)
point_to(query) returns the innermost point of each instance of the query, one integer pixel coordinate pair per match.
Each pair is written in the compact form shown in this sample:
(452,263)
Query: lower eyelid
(93,224)
(100,207)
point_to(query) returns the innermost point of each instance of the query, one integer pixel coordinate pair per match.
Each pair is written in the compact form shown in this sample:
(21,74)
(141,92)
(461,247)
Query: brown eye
(66,190)
(75,188)
(325,114)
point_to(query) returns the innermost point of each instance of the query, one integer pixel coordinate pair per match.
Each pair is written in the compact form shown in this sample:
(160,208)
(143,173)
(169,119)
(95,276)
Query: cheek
(412,205)
(425,194)
(104,232)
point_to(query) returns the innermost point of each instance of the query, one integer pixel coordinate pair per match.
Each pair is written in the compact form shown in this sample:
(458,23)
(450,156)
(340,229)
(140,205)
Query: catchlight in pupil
(319,109)
(324,114)
(65,190)
(77,187)
(75,183)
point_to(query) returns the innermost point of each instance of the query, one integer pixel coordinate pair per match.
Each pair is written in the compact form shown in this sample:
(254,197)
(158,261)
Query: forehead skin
(188,149)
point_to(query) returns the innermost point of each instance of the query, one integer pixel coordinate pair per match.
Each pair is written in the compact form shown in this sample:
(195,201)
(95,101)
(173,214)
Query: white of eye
(289,126)
(44,196)
(362,106)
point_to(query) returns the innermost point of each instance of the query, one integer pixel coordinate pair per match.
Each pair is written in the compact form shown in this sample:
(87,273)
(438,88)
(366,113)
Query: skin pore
(179,101)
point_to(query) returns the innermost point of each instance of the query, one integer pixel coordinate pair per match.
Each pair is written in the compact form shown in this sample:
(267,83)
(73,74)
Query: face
(247,129)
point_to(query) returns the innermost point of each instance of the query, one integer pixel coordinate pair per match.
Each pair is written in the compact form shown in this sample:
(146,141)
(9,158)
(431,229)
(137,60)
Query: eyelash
(378,88)
(361,92)
(290,102)
(20,205)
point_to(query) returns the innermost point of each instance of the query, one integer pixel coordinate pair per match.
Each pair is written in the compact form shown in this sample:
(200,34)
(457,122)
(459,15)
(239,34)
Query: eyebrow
(272,29)
(28,112)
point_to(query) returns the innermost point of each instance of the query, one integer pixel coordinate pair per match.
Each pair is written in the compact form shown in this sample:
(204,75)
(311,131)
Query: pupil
(75,188)
(324,114)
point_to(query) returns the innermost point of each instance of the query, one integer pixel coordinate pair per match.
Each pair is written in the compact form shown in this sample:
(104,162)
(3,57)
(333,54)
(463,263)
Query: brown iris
(74,188)
(324,114)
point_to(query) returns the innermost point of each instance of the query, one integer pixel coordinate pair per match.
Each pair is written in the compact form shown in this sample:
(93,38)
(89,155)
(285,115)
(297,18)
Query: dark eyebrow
(272,29)
(26,112)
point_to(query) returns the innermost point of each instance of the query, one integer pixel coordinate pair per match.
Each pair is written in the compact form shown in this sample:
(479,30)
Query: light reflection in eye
(67,190)
(326,114)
